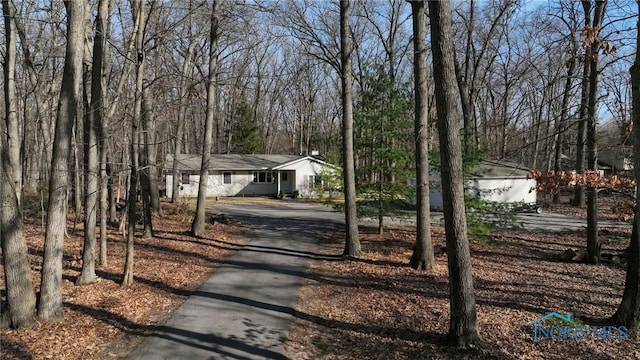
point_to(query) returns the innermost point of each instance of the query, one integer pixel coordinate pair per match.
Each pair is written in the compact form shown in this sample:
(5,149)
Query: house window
(226,177)
(185,179)
(314,181)
(263,177)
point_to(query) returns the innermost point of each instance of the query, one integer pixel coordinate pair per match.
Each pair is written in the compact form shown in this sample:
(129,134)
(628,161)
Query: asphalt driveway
(545,222)
(243,310)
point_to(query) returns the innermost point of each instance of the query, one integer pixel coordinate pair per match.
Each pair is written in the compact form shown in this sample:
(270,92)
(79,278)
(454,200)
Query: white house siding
(513,190)
(297,172)
(241,184)
(505,190)
(303,171)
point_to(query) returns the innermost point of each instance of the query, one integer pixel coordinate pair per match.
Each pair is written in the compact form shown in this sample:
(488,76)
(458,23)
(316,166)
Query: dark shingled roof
(222,162)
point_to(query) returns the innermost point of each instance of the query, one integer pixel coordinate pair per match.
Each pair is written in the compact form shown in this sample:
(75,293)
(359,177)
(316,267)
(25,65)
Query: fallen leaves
(105,320)
(376,307)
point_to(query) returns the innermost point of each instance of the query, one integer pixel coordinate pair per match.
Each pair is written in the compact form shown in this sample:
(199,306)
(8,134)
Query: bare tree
(91,129)
(185,85)
(50,302)
(469,72)
(140,19)
(579,194)
(562,121)
(422,257)
(593,50)
(463,323)
(628,312)
(151,152)
(352,243)
(197,227)
(98,110)
(21,297)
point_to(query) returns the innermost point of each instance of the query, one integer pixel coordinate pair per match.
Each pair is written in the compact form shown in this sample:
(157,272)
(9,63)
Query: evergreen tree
(247,136)
(384,142)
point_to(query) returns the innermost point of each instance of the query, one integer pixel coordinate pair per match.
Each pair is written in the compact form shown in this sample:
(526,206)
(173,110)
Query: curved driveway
(547,222)
(243,310)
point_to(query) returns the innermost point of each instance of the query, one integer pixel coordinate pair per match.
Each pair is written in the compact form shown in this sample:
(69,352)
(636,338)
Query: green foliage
(246,133)
(483,217)
(384,143)
(469,159)
(295,194)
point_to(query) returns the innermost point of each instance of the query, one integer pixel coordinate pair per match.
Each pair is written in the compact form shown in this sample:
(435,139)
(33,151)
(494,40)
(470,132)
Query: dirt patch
(246,200)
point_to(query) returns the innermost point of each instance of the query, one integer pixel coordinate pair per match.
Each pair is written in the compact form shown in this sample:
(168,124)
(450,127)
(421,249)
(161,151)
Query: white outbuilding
(493,180)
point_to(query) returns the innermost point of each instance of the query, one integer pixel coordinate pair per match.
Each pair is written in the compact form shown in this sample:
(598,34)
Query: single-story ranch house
(248,174)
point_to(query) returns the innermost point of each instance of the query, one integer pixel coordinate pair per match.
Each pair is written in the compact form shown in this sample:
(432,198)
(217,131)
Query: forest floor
(376,307)
(105,320)
(373,307)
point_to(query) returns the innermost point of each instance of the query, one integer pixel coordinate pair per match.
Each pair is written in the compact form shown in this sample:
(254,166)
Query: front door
(285,181)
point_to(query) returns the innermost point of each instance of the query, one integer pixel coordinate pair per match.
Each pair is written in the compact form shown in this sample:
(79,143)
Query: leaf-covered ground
(376,307)
(372,307)
(105,320)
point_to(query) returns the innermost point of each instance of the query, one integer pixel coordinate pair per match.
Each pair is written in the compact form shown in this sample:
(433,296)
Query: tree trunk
(557,158)
(21,297)
(578,196)
(97,106)
(91,167)
(139,25)
(628,312)
(145,189)
(422,258)
(197,227)
(182,112)
(14,142)
(41,115)
(150,146)
(352,243)
(463,324)
(593,244)
(76,171)
(50,302)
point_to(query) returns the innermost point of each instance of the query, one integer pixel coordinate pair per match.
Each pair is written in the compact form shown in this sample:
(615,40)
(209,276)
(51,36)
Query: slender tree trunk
(50,302)
(97,107)
(197,227)
(422,258)
(21,297)
(14,142)
(465,93)
(628,312)
(182,112)
(76,171)
(593,243)
(463,323)
(140,21)
(352,243)
(151,151)
(557,158)
(41,115)
(145,189)
(91,166)
(578,196)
